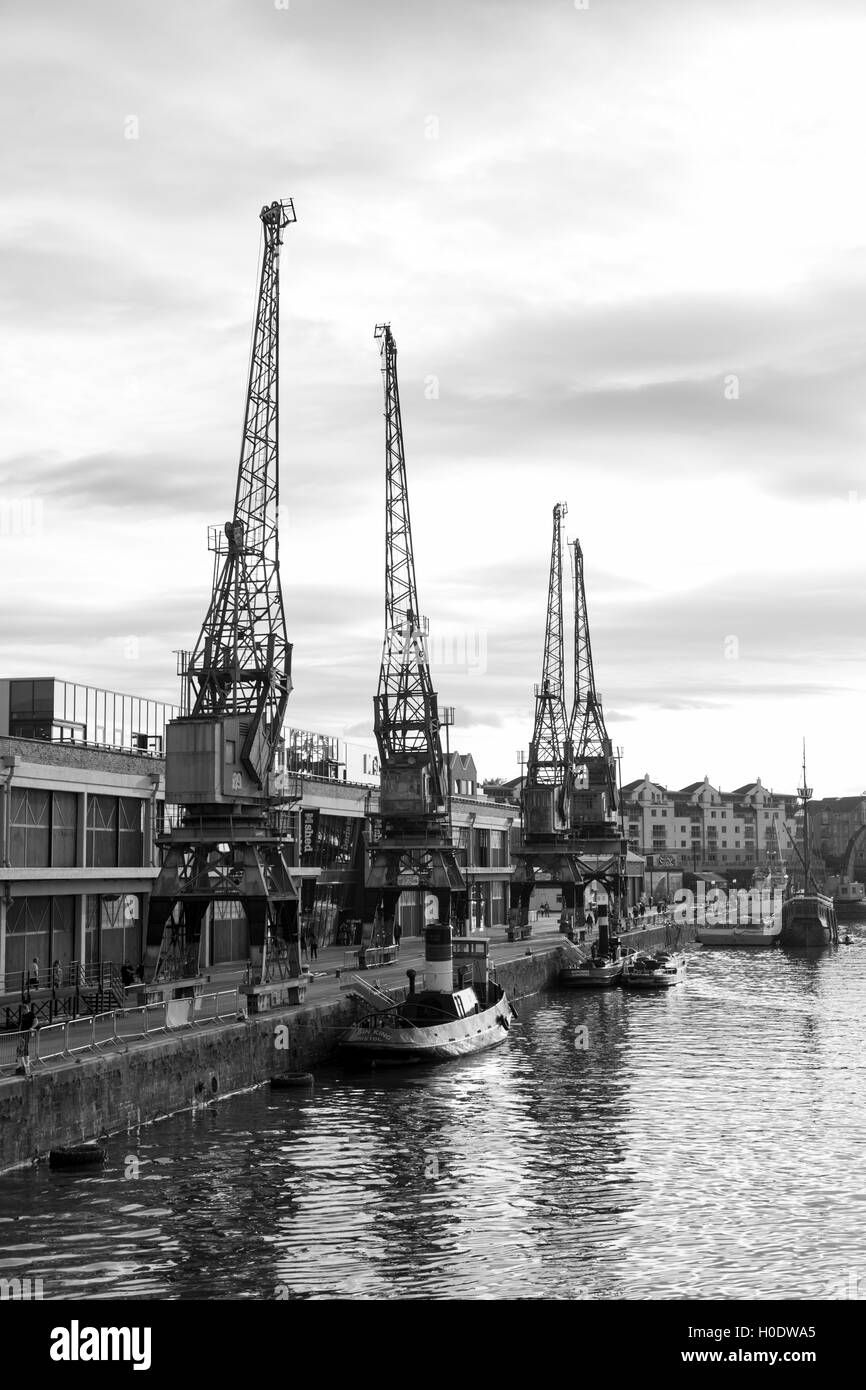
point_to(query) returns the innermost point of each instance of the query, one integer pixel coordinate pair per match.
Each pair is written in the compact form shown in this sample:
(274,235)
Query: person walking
(398,932)
(28,1021)
(314,946)
(304,950)
(33,976)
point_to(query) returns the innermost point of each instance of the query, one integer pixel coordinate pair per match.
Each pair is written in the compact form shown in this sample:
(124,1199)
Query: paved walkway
(327,983)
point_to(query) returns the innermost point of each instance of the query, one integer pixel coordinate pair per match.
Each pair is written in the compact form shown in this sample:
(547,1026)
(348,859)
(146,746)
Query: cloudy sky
(623,252)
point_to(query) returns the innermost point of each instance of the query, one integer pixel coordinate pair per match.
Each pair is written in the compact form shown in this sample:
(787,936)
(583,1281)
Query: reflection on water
(708,1144)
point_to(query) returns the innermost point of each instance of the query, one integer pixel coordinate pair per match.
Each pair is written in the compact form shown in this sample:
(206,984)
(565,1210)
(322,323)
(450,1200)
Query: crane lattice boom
(406,709)
(591,749)
(242,660)
(547,749)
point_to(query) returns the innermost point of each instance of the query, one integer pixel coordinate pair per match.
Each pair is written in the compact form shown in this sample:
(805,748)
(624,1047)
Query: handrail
(56,1040)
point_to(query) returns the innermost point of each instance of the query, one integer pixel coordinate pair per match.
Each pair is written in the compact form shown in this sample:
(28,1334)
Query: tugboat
(600,969)
(438,1022)
(594,972)
(808,917)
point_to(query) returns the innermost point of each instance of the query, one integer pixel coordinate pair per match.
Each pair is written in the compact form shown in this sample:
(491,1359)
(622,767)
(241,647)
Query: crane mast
(241,665)
(546,766)
(593,793)
(226,891)
(414,849)
(570,837)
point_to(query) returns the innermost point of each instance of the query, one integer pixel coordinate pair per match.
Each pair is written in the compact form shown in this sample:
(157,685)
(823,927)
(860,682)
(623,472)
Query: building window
(40,928)
(102,832)
(129,831)
(30,828)
(64,823)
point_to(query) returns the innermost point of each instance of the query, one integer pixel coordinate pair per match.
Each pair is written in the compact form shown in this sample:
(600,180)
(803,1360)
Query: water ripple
(707,1144)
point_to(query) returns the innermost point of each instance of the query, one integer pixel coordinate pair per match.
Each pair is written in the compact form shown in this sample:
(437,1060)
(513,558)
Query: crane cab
(203,762)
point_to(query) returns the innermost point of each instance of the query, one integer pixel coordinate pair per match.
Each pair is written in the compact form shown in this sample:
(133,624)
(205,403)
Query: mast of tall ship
(805,793)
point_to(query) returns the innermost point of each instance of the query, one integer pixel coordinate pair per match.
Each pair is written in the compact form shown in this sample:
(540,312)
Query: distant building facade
(703,829)
(833,822)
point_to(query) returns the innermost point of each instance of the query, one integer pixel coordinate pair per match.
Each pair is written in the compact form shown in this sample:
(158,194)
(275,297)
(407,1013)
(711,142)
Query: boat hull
(592,977)
(650,981)
(373,1040)
(664,974)
(739,936)
(808,922)
(850,907)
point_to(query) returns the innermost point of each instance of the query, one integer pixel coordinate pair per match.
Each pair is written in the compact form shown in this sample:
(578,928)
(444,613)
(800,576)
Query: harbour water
(705,1143)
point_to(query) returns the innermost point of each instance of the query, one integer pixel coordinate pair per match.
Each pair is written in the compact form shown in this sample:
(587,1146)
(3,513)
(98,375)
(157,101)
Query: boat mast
(805,793)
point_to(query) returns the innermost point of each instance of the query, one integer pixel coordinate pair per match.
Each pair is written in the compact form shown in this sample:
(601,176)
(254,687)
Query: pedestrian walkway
(66,1044)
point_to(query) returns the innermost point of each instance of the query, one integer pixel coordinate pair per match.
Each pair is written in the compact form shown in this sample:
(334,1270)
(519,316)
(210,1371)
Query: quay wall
(666,934)
(117,1091)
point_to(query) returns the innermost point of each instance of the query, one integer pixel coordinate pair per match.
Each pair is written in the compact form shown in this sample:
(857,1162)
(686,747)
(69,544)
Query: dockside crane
(414,848)
(226,874)
(570,834)
(545,792)
(594,801)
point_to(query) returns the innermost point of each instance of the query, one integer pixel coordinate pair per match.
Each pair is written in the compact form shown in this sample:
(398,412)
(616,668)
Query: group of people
(55,975)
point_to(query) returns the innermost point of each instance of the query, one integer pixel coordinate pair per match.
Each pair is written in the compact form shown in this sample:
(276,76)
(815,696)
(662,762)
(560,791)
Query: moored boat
(740,934)
(597,971)
(439,1021)
(592,973)
(849,899)
(808,917)
(653,970)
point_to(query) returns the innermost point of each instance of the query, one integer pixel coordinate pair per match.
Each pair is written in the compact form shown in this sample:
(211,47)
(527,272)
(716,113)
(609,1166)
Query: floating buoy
(83,1155)
(291,1080)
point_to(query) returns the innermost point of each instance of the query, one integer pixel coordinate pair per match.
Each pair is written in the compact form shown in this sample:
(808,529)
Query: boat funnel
(438,958)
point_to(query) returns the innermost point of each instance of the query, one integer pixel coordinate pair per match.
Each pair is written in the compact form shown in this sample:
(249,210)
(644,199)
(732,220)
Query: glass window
(120,929)
(129,838)
(64,818)
(28,935)
(102,831)
(43,697)
(29,833)
(21,697)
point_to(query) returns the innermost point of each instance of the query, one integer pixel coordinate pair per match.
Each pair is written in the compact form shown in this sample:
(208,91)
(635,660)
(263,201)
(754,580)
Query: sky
(622,248)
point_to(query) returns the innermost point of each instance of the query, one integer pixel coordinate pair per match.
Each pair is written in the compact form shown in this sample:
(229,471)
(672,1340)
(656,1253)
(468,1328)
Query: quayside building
(704,831)
(82,801)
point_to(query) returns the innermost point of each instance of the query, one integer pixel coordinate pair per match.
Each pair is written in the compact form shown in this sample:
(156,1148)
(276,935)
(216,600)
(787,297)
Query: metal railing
(107,1030)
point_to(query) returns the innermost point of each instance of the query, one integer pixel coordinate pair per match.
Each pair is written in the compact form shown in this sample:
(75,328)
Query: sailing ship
(439,1021)
(809,916)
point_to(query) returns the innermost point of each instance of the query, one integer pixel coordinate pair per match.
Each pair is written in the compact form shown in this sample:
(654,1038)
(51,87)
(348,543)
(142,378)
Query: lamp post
(521,763)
